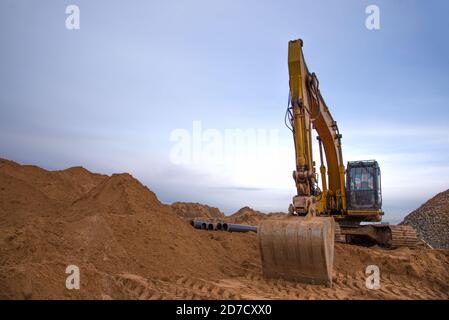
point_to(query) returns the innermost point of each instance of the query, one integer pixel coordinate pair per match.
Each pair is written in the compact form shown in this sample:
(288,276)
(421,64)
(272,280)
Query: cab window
(362,179)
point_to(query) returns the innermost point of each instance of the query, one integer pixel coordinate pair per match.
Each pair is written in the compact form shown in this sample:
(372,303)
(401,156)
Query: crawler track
(403,236)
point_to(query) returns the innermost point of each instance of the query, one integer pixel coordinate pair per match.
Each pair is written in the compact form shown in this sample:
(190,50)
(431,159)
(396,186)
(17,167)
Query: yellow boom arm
(308,110)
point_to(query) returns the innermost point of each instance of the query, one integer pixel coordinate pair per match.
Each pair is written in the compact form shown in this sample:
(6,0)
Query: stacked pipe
(221,226)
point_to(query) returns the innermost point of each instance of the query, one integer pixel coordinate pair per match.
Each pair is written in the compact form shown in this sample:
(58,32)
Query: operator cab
(363,185)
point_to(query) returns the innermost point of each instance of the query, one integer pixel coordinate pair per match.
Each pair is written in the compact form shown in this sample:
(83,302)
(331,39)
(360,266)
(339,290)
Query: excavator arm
(301,246)
(308,111)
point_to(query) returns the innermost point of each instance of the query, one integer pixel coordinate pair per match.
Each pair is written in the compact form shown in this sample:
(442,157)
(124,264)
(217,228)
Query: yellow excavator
(300,247)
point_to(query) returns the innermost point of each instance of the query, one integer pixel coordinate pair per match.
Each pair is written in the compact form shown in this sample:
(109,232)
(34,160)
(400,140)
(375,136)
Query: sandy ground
(128,245)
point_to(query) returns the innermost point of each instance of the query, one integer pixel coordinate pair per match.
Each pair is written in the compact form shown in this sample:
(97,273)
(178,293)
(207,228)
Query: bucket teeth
(298,249)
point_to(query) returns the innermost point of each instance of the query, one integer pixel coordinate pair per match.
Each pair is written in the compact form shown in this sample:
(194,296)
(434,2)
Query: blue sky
(110,95)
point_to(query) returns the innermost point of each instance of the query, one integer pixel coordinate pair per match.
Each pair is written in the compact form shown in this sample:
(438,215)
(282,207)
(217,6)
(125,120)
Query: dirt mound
(247,215)
(196,210)
(431,220)
(63,186)
(20,202)
(119,194)
(128,245)
(119,226)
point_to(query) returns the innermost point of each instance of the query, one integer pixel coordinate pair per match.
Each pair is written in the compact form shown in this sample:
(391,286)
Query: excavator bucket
(298,248)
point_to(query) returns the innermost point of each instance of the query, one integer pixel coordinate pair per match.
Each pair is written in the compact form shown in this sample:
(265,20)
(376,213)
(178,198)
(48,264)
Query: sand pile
(247,215)
(431,220)
(191,210)
(116,227)
(62,187)
(128,245)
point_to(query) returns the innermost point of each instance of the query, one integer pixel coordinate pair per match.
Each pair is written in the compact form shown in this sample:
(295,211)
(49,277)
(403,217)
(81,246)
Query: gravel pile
(431,221)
